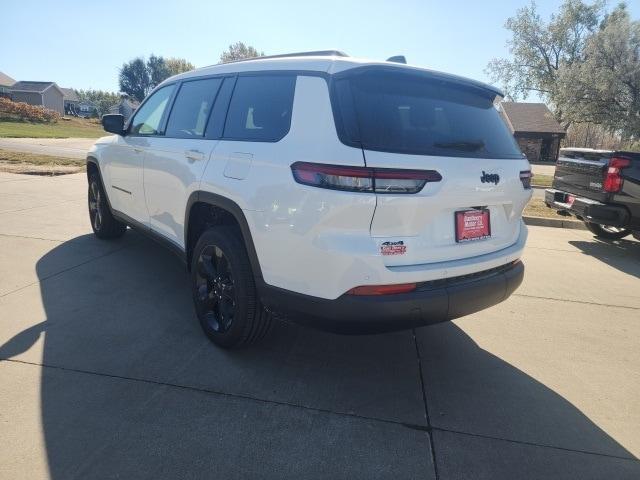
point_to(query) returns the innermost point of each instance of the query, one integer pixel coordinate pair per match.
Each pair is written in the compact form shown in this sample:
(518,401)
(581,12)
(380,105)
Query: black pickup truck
(599,187)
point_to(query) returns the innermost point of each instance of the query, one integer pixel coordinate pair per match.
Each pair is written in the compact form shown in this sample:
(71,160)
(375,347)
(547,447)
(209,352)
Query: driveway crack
(584,302)
(429,428)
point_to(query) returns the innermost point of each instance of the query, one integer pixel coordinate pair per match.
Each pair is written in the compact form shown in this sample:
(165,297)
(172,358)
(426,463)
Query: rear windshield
(414,114)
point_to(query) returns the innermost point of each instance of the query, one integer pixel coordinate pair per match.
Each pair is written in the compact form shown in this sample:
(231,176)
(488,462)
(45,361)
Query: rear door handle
(194,155)
(137,150)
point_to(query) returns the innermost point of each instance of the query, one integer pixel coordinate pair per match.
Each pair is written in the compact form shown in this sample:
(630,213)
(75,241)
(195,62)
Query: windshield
(410,113)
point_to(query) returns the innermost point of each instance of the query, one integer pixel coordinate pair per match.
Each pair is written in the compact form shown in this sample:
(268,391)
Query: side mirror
(113,123)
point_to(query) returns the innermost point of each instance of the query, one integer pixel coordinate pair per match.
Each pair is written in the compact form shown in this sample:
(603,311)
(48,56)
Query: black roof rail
(315,53)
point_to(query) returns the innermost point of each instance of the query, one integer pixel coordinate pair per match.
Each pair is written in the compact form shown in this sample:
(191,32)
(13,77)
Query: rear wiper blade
(469,146)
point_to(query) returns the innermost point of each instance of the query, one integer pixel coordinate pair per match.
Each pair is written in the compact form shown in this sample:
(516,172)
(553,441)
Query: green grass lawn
(7,156)
(74,127)
(537,208)
(36,164)
(542,180)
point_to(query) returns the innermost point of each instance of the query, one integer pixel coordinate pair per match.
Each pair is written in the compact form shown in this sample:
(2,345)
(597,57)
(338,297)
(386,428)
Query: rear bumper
(432,302)
(588,209)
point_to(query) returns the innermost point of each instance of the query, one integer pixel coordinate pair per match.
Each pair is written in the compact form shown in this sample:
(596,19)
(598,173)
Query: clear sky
(83,43)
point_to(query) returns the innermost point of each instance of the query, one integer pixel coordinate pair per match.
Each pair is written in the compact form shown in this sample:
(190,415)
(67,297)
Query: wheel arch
(193,224)
(93,167)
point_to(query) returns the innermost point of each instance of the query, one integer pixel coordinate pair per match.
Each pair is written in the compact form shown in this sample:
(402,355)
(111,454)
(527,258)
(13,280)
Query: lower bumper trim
(431,302)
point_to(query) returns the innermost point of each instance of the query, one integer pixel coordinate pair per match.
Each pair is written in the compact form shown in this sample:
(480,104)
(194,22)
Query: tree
(540,49)
(238,51)
(138,77)
(178,65)
(604,88)
(158,70)
(101,99)
(135,79)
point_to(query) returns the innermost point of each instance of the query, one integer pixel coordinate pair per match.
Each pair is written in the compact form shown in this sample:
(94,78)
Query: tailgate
(582,173)
(407,119)
(424,224)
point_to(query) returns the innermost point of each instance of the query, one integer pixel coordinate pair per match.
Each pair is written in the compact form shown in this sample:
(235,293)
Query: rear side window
(407,113)
(192,107)
(148,117)
(260,108)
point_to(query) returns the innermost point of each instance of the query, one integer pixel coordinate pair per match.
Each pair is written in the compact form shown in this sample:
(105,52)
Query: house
(87,109)
(71,101)
(535,129)
(5,83)
(46,94)
(125,107)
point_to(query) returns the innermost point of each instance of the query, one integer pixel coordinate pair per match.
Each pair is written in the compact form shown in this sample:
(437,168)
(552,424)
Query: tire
(224,291)
(605,231)
(103,223)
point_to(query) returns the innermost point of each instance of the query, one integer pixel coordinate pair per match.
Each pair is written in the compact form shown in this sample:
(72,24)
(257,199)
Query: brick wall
(530,147)
(554,149)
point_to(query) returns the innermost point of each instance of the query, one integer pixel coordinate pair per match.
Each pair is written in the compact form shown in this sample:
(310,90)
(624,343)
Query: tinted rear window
(260,108)
(414,114)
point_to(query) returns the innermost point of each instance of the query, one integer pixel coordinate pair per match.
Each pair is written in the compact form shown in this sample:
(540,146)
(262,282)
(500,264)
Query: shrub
(24,111)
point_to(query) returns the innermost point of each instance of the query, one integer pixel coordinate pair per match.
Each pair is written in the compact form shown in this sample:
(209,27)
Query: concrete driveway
(105,374)
(538,193)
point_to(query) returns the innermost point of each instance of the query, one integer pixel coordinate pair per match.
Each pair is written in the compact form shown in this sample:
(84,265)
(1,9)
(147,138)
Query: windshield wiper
(468,146)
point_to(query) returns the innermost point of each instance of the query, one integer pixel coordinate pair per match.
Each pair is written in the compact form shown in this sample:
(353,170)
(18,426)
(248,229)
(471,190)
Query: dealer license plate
(472,225)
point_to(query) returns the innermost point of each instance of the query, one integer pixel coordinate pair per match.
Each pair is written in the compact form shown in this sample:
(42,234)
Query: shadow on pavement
(621,254)
(136,391)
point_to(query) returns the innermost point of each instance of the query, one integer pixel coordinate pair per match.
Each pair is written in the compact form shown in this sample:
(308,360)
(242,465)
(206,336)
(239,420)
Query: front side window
(260,109)
(192,107)
(148,117)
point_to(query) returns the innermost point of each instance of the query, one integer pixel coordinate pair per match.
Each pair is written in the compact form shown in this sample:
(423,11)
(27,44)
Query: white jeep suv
(353,195)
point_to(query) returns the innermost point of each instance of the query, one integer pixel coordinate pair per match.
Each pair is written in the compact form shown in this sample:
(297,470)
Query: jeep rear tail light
(362,179)
(525,178)
(383,289)
(612,179)
(386,180)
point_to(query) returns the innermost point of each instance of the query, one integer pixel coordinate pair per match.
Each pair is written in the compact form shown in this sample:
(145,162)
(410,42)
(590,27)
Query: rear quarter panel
(305,237)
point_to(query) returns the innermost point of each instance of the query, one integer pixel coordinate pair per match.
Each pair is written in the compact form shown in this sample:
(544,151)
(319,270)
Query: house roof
(530,118)
(70,94)
(6,80)
(26,86)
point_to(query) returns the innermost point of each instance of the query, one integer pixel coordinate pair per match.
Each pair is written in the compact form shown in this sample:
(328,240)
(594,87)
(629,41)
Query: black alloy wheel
(95,206)
(103,223)
(215,295)
(224,290)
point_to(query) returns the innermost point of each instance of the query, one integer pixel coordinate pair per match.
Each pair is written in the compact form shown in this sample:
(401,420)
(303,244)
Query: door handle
(137,150)
(194,155)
